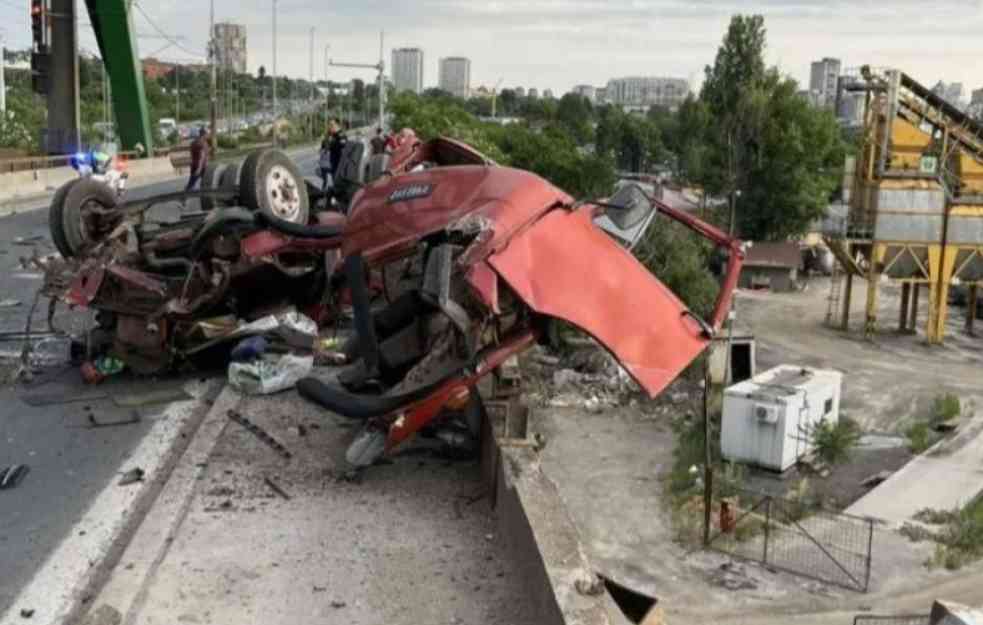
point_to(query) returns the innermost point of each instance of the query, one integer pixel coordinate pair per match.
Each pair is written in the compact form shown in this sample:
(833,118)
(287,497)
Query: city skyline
(557,45)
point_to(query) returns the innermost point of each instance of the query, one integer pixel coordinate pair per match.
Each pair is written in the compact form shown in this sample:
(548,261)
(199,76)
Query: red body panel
(506,199)
(566,267)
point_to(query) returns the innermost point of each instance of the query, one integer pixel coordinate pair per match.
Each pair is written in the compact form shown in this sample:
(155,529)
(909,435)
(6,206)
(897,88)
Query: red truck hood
(566,267)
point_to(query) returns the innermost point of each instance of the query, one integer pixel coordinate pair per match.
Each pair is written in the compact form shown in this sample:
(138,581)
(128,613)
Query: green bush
(835,442)
(227,142)
(961,535)
(920,437)
(945,408)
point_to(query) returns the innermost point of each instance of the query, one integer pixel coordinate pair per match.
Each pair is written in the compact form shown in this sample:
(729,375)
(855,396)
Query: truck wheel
(56,224)
(271,184)
(211,180)
(84,192)
(229,181)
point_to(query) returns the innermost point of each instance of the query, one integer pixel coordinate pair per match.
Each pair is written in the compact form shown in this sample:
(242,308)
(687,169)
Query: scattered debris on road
(95,423)
(26,613)
(10,303)
(260,433)
(131,477)
(276,488)
(11,476)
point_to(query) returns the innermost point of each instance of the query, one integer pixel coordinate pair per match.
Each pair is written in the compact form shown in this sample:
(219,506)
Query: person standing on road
(378,143)
(324,157)
(336,145)
(199,159)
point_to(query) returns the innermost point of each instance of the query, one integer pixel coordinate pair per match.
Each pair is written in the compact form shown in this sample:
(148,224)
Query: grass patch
(923,434)
(960,537)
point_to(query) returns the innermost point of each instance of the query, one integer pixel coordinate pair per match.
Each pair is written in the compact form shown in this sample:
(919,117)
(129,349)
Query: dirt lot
(610,465)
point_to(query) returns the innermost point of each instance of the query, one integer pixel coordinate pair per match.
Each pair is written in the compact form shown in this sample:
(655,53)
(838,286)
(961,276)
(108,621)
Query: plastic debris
(11,476)
(249,349)
(9,303)
(107,365)
(131,477)
(270,374)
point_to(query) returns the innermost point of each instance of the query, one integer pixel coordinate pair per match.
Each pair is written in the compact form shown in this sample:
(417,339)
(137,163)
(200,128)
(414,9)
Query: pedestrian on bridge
(199,159)
(324,157)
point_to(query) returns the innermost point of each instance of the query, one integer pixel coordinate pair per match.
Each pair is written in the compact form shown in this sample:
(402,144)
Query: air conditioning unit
(765,413)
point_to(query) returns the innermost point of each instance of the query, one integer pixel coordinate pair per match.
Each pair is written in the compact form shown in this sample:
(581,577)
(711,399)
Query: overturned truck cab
(450,263)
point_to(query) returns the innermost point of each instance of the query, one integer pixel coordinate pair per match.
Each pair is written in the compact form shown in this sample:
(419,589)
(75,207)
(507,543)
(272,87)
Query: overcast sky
(559,43)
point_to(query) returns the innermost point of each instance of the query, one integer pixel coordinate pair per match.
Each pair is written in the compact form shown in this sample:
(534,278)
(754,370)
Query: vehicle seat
(353,163)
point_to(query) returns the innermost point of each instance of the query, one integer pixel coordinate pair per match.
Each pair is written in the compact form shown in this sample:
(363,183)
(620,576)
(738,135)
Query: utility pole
(310,115)
(3,76)
(212,95)
(177,92)
(380,67)
(274,69)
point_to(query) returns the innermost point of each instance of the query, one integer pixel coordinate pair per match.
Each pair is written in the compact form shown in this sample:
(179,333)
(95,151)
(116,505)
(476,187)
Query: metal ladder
(835,286)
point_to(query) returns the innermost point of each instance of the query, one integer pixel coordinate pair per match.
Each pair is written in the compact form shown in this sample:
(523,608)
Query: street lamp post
(275,109)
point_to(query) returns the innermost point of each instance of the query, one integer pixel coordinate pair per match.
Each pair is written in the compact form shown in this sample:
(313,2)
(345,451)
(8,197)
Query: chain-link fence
(908,619)
(797,538)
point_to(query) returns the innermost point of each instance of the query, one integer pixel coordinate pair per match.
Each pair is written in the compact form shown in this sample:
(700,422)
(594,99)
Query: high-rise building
(520,91)
(548,94)
(587,91)
(408,69)
(230,47)
(455,76)
(641,93)
(824,80)
(533,92)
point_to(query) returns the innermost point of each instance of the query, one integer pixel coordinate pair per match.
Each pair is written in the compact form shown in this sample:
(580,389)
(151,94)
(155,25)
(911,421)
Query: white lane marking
(55,588)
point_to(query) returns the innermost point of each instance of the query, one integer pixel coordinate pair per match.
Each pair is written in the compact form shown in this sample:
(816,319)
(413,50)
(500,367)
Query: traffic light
(39,51)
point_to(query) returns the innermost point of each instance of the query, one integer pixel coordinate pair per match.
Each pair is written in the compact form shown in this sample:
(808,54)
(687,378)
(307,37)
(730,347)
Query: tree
(575,113)
(358,91)
(633,142)
(772,155)
(797,164)
(731,93)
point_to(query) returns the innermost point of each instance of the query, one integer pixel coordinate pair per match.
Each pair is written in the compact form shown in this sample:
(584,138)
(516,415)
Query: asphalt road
(69,462)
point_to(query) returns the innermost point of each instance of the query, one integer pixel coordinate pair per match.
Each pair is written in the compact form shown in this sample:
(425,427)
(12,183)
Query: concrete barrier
(24,190)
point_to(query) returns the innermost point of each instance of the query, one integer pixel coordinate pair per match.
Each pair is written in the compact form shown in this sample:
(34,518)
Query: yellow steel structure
(916,210)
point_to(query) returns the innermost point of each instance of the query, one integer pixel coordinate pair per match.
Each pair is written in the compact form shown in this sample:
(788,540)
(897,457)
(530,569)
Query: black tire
(211,179)
(229,181)
(82,192)
(56,224)
(260,172)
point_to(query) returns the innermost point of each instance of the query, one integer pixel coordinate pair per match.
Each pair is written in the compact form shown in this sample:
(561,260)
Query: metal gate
(827,546)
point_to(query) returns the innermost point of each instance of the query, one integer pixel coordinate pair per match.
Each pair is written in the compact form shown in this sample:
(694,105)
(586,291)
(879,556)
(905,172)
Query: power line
(164,34)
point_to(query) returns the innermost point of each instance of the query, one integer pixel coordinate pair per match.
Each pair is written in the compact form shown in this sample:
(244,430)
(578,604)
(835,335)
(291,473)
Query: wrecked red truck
(448,263)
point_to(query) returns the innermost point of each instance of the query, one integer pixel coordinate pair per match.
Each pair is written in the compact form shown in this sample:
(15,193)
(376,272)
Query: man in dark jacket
(378,143)
(199,159)
(336,145)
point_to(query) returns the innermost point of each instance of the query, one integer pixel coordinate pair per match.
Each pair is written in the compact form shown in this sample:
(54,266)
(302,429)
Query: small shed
(772,266)
(768,420)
